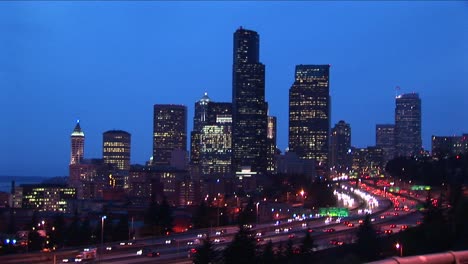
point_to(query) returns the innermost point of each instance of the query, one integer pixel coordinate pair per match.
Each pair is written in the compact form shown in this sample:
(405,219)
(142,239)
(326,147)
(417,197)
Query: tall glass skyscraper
(77,144)
(408,125)
(309,114)
(249,114)
(169,132)
(116,149)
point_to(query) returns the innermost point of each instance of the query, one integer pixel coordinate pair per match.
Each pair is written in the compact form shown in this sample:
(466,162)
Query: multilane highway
(176,248)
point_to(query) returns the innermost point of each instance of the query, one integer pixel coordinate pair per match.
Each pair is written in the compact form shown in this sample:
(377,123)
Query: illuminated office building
(309,114)
(249,108)
(271,144)
(77,144)
(340,154)
(211,138)
(116,149)
(385,139)
(43,197)
(444,147)
(169,132)
(408,125)
(215,147)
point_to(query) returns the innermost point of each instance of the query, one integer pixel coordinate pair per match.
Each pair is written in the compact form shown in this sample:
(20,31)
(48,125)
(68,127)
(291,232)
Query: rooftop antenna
(397,89)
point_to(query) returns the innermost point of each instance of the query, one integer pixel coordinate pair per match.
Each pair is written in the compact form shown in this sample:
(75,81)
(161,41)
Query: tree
(205,253)
(367,244)
(201,218)
(248,215)
(166,219)
(58,230)
(241,249)
(307,244)
(268,256)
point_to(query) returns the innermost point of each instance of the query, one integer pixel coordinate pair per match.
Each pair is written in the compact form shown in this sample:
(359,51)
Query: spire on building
(77,132)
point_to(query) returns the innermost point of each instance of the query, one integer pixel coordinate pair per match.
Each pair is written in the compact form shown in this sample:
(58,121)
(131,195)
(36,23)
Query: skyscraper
(116,149)
(271,144)
(249,114)
(408,125)
(385,139)
(309,113)
(340,149)
(211,138)
(77,144)
(169,132)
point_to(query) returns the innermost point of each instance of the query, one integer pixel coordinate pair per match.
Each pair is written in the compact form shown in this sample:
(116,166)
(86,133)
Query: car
(346,223)
(361,221)
(403,227)
(169,241)
(329,230)
(219,240)
(153,254)
(392,226)
(139,252)
(201,235)
(189,243)
(388,232)
(310,230)
(336,242)
(304,224)
(109,248)
(277,230)
(68,260)
(291,236)
(395,214)
(350,225)
(260,239)
(382,216)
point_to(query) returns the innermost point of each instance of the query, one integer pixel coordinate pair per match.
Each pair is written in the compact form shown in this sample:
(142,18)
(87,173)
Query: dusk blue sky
(108,63)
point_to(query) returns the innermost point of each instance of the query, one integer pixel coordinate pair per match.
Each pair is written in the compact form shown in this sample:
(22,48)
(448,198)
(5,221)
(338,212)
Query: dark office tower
(408,125)
(271,143)
(340,149)
(249,114)
(169,132)
(77,144)
(385,139)
(116,149)
(309,114)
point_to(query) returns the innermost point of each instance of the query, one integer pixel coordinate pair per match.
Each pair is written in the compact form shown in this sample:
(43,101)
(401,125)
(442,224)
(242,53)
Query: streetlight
(400,247)
(257,212)
(102,235)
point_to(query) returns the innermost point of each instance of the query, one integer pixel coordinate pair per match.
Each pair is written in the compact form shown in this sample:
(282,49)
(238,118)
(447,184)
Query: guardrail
(449,257)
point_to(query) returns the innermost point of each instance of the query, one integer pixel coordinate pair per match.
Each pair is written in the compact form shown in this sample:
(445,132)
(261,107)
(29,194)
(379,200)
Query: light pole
(399,246)
(257,212)
(102,236)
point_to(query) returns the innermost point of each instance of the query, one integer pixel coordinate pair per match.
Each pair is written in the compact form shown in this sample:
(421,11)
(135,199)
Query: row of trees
(244,249)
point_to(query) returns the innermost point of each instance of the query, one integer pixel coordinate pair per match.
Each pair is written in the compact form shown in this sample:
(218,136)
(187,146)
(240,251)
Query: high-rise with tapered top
(77,144)
(249,108)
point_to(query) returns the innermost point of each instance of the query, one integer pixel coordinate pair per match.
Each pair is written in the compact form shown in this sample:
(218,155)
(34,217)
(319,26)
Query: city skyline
(54,76)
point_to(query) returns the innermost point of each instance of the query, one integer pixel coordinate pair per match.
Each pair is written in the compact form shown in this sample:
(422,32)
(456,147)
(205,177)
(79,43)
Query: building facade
(169,132)
(340,149)
(444,147)
(116,149)
(43,197)
(385,139)
(249,107)
(271,144)
(309,114)
(408,125)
